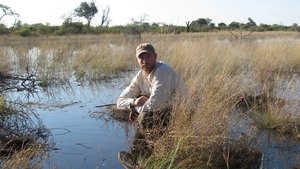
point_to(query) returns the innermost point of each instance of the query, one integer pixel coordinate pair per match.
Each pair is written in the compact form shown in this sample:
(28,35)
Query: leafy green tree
(234,25)
(88,11)
(251,22)
(212,25)
(295,27)
(201,22)
(222,25)
(71,27)
(250,25)
(3,29)
(201,25)
(24,31)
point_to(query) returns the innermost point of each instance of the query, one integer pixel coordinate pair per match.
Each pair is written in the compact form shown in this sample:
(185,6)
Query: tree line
(88,11)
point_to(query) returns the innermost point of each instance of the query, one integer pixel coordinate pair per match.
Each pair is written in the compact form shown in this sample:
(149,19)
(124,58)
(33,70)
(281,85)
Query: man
(150,94)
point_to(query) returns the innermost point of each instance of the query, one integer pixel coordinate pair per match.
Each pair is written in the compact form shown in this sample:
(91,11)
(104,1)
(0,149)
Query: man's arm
(127,97)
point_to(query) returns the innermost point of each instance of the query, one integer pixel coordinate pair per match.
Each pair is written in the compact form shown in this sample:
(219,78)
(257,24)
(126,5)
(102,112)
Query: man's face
(146,61)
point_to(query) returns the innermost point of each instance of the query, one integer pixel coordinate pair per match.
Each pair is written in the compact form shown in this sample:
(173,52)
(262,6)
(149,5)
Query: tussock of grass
(200,128)
(28,157)
(23,138)
(274,114)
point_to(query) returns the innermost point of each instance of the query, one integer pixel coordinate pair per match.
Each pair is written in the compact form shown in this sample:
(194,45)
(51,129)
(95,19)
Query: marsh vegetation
(257,76)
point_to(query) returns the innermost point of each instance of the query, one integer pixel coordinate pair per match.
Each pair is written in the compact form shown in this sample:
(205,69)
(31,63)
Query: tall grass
(4,64)
(220,74)
(219,71)
(105,60)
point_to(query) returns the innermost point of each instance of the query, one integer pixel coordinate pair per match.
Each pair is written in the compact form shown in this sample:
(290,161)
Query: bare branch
(7,12)
(105,20)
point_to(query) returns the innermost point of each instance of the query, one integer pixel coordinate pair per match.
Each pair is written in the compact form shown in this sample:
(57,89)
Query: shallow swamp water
(85,136)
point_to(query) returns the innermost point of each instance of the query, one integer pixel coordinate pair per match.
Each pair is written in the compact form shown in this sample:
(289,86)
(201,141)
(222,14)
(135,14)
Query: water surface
(84,135)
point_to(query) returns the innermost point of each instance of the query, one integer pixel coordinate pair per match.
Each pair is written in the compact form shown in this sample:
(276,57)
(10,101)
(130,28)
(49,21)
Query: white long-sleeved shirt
(160,86)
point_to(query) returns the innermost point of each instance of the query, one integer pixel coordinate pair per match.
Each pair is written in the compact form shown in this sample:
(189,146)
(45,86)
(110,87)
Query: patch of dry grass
(104,60)
(4,64)
(28,157)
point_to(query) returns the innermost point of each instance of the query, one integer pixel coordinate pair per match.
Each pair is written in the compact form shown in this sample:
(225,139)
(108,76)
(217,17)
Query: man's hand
(133,115)
(140,100)
(137,102)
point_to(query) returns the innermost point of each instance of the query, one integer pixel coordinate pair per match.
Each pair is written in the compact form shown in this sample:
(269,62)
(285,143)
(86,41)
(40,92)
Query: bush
(3,29)
(23,31)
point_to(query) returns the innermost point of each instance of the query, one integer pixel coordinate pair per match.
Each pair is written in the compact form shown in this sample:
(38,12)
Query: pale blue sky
(175,12)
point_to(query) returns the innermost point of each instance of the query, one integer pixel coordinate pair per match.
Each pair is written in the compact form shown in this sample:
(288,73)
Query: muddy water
(84,136)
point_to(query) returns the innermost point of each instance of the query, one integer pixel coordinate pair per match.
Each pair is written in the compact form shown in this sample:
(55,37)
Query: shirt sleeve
(162,88)
(129,94)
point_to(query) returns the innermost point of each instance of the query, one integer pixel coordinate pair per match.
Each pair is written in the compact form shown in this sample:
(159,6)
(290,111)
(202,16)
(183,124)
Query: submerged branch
(106,105)
(17,82)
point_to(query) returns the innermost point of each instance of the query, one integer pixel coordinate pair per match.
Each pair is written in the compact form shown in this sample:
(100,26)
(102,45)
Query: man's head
(146,57)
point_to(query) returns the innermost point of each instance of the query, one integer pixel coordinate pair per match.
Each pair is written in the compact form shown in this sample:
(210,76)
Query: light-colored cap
(144,48)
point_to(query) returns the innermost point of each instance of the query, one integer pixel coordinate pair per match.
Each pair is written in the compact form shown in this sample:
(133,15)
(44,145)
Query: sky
(176,12)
